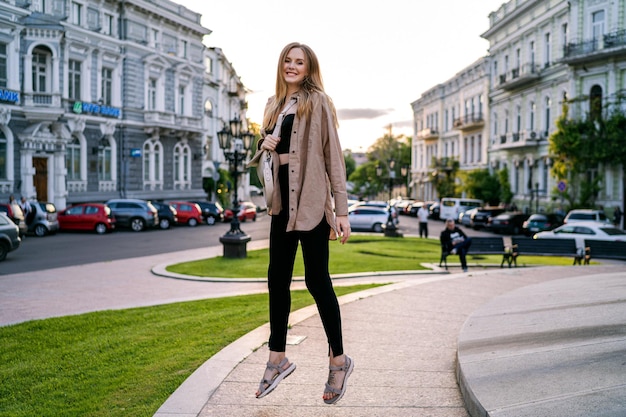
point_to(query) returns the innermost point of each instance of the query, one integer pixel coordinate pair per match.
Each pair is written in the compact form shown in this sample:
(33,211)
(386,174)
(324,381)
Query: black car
(167,214)
(135,214)
(507,222)
(481,216)
(212,212)
(541,222)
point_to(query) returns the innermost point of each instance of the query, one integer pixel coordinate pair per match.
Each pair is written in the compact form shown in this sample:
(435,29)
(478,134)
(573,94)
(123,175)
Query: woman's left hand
(343,227)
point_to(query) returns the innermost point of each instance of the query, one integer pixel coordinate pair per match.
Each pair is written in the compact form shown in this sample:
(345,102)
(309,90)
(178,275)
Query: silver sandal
(275,380)
(347,367)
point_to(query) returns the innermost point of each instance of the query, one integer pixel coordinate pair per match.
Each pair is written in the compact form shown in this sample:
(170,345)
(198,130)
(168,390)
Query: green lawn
(123,362)
(362,253)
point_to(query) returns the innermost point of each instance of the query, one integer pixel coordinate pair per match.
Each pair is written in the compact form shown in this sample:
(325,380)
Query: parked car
(380,204)
(370,218)
(247,211)
(541,222)
(44,219)
(9,236)
(15,213)
(451,207)
(413,208)
(587,215)
(481,216)
(465,217)
(212,212)
(133,213)
(509,222)
(167,214)
(582,231)
(403,205)
(188,213)
(93,217)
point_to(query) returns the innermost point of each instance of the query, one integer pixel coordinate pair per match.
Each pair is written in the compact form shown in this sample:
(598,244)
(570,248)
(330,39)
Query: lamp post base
(235,245)
(391,230)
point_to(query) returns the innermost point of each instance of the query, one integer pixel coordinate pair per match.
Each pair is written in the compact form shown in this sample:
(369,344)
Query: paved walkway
(546,341)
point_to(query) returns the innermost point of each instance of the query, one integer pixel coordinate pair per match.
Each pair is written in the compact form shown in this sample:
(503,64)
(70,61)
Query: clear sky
(376,57)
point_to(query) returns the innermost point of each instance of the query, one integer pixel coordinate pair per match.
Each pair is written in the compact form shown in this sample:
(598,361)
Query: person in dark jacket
(455,241)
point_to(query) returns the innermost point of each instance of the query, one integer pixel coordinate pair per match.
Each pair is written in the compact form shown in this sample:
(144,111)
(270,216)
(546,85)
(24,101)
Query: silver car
(9,236)
(368,218)
(43,220)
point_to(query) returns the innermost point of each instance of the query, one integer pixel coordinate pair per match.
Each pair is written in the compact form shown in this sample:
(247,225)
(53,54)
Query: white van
(451,207)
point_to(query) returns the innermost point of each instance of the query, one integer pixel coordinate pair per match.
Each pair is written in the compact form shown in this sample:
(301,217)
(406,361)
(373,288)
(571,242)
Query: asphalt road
(71,248)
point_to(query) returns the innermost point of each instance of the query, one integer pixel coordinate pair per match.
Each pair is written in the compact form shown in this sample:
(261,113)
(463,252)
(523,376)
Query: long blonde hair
(311,83)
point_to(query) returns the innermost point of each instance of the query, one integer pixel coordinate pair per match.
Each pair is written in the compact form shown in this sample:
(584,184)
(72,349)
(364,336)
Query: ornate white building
(102,99)
(541,53)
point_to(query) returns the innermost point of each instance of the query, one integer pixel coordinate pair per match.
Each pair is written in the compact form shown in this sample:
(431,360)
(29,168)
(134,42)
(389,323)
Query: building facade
(542,54)
(451,122)
(103,99)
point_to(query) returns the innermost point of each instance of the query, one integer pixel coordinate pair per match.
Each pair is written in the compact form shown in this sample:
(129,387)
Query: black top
(285,134)
(449,236)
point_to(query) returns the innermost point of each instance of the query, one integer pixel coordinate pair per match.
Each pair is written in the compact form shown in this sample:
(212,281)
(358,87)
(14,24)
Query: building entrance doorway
(40,181)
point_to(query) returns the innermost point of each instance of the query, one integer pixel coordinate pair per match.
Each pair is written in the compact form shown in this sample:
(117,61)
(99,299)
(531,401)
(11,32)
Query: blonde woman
(300,128)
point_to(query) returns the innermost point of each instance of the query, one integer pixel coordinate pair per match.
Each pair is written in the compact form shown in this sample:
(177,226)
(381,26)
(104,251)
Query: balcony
(518,139)
(469,122)
(42,106)
(519,77)
(610,45)
(428,134)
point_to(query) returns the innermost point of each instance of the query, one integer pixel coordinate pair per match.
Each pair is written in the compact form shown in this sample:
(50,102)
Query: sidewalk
(520,351)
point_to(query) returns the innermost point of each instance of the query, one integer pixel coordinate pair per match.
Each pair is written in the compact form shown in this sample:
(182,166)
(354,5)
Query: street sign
(562,186)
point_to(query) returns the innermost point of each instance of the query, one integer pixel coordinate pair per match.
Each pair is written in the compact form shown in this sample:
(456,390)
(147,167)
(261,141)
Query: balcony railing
(520,76)
(469,121)
(428,133)
(610,43)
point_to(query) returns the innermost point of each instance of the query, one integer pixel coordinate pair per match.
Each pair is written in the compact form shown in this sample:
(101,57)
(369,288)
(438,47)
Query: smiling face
(295,68)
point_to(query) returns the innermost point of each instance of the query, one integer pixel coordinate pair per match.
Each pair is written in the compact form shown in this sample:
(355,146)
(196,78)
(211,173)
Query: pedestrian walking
(300,127)
(422,218)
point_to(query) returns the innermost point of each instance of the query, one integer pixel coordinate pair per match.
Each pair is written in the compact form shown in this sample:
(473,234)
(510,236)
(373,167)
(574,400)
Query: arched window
(182,166)
(595,102)
(72,160)
(42,70)
(152,165)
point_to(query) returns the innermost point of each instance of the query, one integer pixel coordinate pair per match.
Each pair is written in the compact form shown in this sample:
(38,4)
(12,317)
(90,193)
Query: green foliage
(366,182)
(350,163)
(480,184)
(506,195)
(579,147)
(444,176)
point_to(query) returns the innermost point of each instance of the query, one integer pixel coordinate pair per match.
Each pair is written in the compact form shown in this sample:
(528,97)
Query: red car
(87,217)
(188,213)
(247,211)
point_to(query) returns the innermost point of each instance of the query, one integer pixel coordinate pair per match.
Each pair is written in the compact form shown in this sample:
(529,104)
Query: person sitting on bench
(455,241)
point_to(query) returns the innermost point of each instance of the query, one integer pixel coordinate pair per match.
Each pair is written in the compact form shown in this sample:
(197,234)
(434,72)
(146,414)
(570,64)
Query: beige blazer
(317,172)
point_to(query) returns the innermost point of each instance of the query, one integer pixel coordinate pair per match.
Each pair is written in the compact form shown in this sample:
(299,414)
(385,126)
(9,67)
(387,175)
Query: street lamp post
(390,227)
(235,144)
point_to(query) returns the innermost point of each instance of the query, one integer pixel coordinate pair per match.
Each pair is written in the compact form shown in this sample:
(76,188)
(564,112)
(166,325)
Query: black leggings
(283,247)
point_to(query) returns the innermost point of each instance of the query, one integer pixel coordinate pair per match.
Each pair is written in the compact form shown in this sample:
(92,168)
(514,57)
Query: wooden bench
(605,249)
(483,246)
(546,247)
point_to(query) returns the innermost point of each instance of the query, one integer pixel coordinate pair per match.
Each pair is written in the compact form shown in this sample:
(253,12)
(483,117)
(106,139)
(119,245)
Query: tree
(579,147)
(444,176)
(484,186)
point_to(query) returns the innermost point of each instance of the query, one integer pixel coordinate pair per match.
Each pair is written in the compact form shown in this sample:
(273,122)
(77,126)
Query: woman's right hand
(270,142)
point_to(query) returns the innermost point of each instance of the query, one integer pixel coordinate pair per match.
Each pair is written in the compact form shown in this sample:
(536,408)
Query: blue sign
(561,186)
(9,95)
(80,107)
(135,153)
